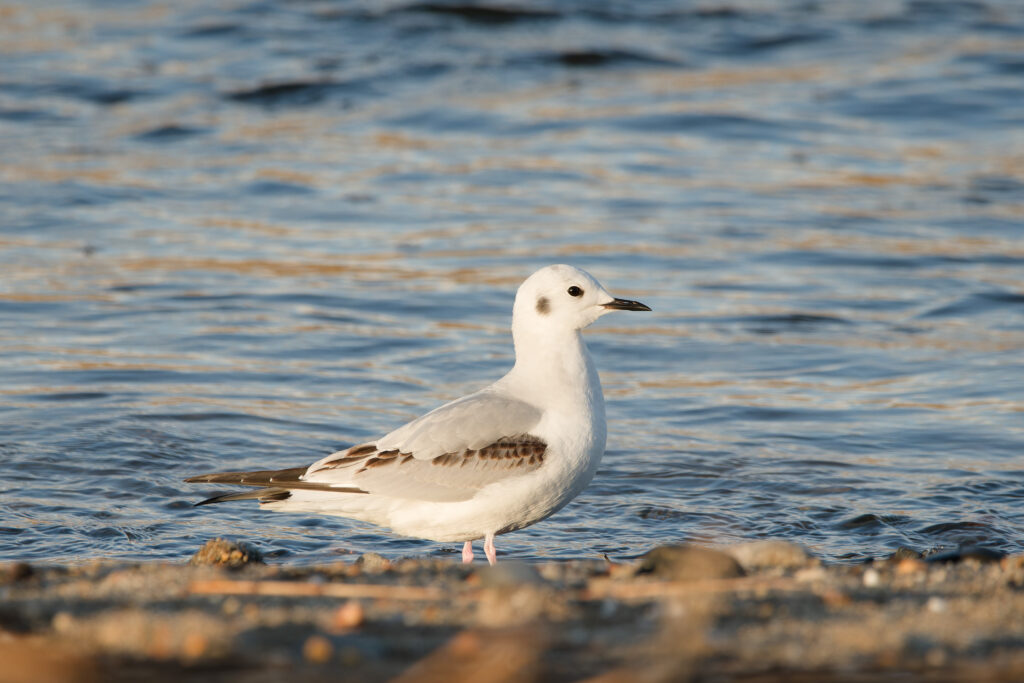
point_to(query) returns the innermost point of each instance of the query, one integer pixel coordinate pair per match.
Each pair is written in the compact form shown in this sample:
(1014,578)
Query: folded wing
(453,476)
(447,455)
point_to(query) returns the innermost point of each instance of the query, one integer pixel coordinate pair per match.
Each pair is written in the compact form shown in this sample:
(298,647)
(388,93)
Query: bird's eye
(575,291)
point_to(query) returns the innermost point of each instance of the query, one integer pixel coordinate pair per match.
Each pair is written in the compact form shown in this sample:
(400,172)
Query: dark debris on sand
(762,611)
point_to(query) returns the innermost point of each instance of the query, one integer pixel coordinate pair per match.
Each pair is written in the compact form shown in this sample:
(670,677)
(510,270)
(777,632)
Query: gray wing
(454,476)
(449,454)
(474,421)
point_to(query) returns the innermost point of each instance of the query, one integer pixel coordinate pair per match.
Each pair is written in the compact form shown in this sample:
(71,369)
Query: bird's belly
(501,507)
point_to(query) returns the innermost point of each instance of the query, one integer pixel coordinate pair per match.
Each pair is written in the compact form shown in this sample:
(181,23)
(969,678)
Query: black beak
(626,305)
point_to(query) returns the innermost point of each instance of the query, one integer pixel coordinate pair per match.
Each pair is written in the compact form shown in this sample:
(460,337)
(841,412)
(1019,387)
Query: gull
(495,461)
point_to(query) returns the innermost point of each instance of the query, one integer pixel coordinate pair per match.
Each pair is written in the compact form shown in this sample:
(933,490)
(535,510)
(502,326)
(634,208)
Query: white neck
(554,368)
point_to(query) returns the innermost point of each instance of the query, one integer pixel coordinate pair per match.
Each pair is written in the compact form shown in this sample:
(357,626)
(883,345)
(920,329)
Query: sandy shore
(758,612)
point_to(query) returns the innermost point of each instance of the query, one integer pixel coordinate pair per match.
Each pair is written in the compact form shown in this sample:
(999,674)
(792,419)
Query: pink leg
(467,552)
(489,550)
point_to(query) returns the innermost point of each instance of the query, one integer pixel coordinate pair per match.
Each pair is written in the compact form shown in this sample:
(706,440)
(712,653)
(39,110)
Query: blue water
(243,234)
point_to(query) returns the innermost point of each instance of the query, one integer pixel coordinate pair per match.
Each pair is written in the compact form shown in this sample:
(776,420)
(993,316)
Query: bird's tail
(266,495)
(273,485)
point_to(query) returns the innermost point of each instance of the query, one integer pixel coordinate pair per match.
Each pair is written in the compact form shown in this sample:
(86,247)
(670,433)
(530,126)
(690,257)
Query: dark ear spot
(543,307)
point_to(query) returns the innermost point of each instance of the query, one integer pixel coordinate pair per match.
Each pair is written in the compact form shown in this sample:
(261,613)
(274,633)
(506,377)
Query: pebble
(872,578)
(372,563)
(317,650)
(510,573)
(347,617)
(970,552)
(15,571)
(904,553)
(835,598)
(770,554)
(223,553)
(194,646)
(1011,562)
(62,622)
(810,575)
(231,606)
(689,563)
(515,605)
(465,644)
(910,566)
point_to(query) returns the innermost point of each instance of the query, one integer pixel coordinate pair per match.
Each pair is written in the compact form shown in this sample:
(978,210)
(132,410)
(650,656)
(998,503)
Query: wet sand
(756,612)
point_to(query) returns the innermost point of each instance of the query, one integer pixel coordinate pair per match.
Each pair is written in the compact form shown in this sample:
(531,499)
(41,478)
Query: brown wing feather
(448,477)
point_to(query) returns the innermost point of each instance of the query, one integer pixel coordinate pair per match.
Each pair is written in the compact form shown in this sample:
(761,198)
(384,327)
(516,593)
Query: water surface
(243,236)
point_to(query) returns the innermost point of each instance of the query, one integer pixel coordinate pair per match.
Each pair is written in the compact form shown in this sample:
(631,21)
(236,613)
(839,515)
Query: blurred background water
(243,234)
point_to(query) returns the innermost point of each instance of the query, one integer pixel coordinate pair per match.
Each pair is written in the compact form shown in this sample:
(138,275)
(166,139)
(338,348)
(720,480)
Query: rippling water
(242,237)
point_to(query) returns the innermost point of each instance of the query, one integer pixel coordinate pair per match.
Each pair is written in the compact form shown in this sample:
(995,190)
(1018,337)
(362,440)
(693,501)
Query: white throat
(554,369)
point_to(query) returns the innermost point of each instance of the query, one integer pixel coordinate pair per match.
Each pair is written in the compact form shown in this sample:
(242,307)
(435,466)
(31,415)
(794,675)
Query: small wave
(212,30)
(964,533)
(976,304)
(299,92)
(482,14)
(270,187)
(605,58)
(169,133)
(871,522)
(71,396)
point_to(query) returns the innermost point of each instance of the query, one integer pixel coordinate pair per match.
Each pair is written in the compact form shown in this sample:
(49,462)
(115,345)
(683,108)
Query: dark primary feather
(263,495)
(254,478)
(274,484)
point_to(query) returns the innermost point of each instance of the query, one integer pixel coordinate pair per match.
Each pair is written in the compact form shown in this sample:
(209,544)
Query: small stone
(810,575)
(510,573)
(372,563)
(910,566)
(194,646)
(689,563)
(904,553)
(936,604)
(872,578)
(969,552)
(223,553)
(317,650)
(62,622)
(15,571)
(350,656)
(347,617)
(617,571)
(769,554)
(465,644)
(1012,562)
(835,598)
(505,606)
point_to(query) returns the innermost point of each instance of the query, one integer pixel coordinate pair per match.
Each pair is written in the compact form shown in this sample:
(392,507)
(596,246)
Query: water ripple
(244,236)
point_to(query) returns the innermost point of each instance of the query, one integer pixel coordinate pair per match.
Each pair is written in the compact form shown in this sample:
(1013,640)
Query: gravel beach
(754,612)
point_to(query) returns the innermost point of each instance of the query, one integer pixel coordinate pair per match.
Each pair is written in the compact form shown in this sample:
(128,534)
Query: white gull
(497,460)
